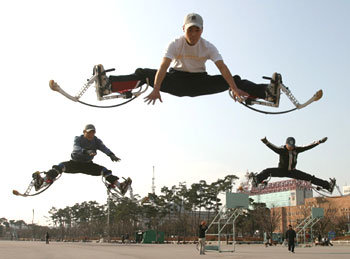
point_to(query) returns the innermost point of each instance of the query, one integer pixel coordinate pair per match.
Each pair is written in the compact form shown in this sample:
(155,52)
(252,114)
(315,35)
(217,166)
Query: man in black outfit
(287,163)
(201,237)
(47,237)
(290,236)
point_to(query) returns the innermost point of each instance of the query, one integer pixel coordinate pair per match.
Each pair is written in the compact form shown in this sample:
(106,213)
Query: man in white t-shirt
(188,76)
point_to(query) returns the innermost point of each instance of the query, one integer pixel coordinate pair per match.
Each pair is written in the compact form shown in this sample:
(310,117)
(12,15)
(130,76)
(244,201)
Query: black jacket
(290,235)
(288,159)
(201,232)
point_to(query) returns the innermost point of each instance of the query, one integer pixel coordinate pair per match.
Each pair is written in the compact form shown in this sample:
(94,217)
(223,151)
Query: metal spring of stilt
(85,87)
(290,95)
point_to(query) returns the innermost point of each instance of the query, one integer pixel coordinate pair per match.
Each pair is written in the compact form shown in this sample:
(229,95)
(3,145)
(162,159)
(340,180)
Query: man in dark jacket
(84,150)
(47,237)
(290,237)
(286,168)
(201,237)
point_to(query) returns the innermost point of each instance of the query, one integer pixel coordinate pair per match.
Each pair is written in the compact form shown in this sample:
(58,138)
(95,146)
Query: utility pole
(33,226)
(108,217)
(153,186)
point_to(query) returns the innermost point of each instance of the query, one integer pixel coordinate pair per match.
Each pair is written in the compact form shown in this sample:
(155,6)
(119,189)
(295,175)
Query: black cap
(290,141)
(89,127)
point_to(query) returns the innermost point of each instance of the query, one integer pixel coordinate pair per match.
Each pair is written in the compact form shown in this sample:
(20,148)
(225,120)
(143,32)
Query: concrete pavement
(57,250)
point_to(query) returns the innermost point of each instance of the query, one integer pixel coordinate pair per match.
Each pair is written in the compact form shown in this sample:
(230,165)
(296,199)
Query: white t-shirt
(191,58)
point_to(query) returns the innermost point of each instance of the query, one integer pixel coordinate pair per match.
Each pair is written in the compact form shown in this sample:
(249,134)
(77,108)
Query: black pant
(89,168)
(181,83)
(291,246)
(295,174)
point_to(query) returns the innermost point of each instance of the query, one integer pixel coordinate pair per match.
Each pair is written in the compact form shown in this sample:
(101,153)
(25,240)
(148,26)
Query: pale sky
(186,139)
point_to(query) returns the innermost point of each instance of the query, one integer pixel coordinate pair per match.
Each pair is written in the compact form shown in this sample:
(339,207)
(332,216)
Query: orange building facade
(334,207)
(291,202)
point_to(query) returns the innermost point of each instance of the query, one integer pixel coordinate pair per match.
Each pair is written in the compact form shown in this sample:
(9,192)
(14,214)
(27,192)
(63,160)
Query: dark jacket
(290,235)
(82,148)
(288,159)
(201,232)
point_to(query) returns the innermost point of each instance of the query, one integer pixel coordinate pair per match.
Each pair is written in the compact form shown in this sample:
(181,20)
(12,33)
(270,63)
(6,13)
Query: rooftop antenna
(153,186)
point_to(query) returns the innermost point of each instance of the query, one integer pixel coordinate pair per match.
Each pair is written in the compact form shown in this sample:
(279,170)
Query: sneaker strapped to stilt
(253,178)
(272,88)
(332,183)
(124,186)
(103,86)
(38,180)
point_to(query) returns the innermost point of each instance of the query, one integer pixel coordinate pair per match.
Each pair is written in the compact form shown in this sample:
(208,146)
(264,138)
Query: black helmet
(290,141)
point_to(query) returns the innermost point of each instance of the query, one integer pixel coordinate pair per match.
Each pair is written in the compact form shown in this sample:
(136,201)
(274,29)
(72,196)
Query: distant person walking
(47,237)
(201,237)
(290,237)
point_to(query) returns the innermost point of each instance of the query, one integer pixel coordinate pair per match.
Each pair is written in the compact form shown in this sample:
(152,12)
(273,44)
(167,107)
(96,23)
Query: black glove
(322,140)
(264,140)
(113,157)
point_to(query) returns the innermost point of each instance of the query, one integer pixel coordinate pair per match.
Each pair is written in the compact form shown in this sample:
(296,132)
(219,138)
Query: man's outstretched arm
(312,145)
(160,75)
(270,145)
(226,74)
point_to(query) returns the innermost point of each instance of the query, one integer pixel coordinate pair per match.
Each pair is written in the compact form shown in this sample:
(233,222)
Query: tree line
(176,211)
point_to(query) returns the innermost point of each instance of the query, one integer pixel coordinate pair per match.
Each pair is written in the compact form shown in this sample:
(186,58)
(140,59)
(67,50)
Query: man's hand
(264,140)
(89,152)
(239,95)
(158,79)
(322,140)
(114,158)
(153,96)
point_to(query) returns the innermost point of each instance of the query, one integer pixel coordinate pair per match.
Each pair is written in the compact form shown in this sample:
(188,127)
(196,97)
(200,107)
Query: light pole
(108,216)
(348,222)
(289,216)
(33,226)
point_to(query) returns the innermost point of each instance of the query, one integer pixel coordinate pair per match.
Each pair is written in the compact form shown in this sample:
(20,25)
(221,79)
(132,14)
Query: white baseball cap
(193,19)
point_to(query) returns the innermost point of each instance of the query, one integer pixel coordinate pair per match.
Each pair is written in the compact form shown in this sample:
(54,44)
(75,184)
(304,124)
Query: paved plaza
(39,250)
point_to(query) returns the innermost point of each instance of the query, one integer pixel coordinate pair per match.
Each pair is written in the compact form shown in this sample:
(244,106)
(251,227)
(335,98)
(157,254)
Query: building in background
(336,208)
(282,193)
(346,190)
(291,201)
